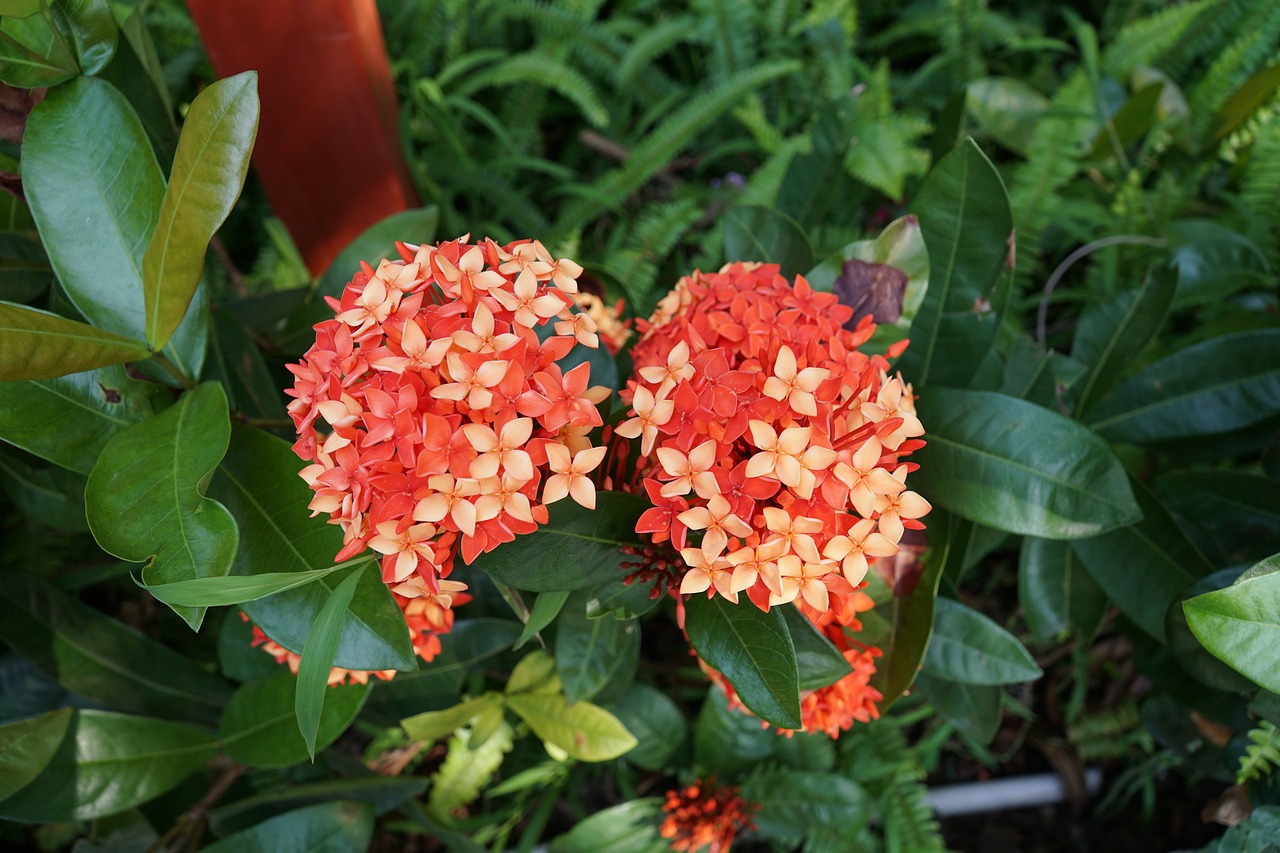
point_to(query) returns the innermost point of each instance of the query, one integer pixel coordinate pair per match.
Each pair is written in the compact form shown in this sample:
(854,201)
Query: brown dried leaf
(875,289)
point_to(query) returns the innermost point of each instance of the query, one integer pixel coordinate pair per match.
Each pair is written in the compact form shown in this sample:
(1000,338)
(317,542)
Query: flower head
(705,817)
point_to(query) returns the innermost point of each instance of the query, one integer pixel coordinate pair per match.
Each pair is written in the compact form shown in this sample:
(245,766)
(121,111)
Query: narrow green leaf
(338,827)
(1055,591)
(209,169)
(144,500)
(1234,515)
(234,589)
(968,647)
(753,650)
(1240,625)
(754,233)
(1245,102)
(819,662)
(259,726)
(27,747)
(39,345)
(964,213)
(381,792)
(1012,465)
(317,659)
(431,726)
(586,732)
(545,609)
(109,763)
(972,708)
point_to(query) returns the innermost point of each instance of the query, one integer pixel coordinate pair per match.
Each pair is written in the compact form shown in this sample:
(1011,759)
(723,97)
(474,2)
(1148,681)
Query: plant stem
(170,368)
(1042,313)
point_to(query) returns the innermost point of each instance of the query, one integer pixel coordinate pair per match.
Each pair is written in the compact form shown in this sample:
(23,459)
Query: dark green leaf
(236,362)
(815,181)
(238,658)
(49,495)
(1130,123)
(39,345)
(27,747)
(1143,567)
(753,233)
(259,726)
(655,721)
(235,589)
(964,214)
(339,827)
(317,658)
(753,650)
(545,609)
(33,52)
(586,732)
(729,742)
(968,647)
(109,763)
(85,158)
(576,548)
(1012,465)
(972,708)
(1234,516)
(93,31)
(381,792)
(376,242)
(621,600)
(138,73)
(1241,626)
(592,652)
(1212,260)
(258,482)
(24,268)
(209,169)
(144,502)
(1221,384)
(1006,109)
(1055,591)
(794,803)
(100,658)
(819,662)
(631,827)
(1245,102)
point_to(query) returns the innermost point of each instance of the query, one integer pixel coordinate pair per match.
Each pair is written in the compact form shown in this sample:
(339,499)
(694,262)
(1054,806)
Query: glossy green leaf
(1189,653)
(753,233)
(618,599)
(144,502)
(819,662)
(236,362)
(209,169)
(586,732)
(24,268)
(1113,332)
(69,420)
(575,549)
(317,658)
(1011,465)
(1006,109)
(235,589)
(93,32)
(381,792)
(101,659)
(431,726)
(591,652)
(238,659)
(259,726)
(39,345)
(109,763)
(544,610)
(339,827)
(258,482)
(1222,384)
(86,158)
(1055,591)
(968,647)
(1144,566)
(656,723)
(729,743)
(795,804)
(753,650)
(1213,261)
(972,708)
(33,51)
(1240,624)
(26,748)
(964,215)
(631,827)
(376,242)
(1244,102)
(49,495)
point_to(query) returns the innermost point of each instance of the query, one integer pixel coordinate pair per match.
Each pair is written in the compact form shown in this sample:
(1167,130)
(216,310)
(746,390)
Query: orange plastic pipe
(328,151)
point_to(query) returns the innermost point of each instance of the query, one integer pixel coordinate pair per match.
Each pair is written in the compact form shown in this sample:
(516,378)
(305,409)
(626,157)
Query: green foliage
(1262,755)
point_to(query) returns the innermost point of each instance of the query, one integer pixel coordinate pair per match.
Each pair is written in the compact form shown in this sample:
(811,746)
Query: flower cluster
(705,816)
(435,416)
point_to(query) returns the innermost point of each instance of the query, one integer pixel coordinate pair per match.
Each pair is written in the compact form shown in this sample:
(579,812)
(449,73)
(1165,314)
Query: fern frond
(1260,191)
(541,69)
(1215,28)
(1245,55)
(651,44)
(956,31)
(1146,39)
(843,13)
(1110,733)
(729,31)
(656,233)
(883,154)
(887,766)
(465,771)
(1262,755)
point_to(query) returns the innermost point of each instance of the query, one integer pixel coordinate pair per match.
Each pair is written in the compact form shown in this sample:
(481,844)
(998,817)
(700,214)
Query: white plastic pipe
(1021,792)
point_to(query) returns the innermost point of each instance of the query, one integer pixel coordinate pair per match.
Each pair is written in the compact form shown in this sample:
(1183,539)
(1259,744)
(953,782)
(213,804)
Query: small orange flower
(705,817)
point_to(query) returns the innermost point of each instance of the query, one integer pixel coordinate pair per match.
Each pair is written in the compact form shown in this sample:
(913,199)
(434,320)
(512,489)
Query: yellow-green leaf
(39,345)
(586,732)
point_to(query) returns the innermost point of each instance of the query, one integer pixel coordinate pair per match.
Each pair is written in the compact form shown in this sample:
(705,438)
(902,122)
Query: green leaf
(728,742)
(1234,515)
(1222,384)
(49,495)
(964,215)
(235,589)
(753,650)
(376,242)
(39,345)
(972,708)
(1113,332)
(317,659)
(109,763)
(818,661)
(259,726)
(209,169)
(545,609)
(258,482)
(618,599)
(19,8)
(143,499)
(381,792)
(33,52)
(339,827)
(753,233)
(431,726)
(1143,567)
(631,827)
(1189,653)
(1130,123)
(586,732)
(1056,593)
(968,647)
(1012,465)
(27,747)
(576,548)
(1240,626)
(1245,102)
(236,362)
(1213,261)
(93,31)
(592,652)
(86,158)
(795,803)
(535,673)
(656,723)
(1006,109)
(102,659)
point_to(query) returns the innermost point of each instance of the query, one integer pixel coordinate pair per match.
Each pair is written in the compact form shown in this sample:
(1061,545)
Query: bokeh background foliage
(1084,201)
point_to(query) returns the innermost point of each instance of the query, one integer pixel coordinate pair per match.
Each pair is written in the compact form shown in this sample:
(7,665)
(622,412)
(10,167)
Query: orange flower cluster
(705,816)
(435,417)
